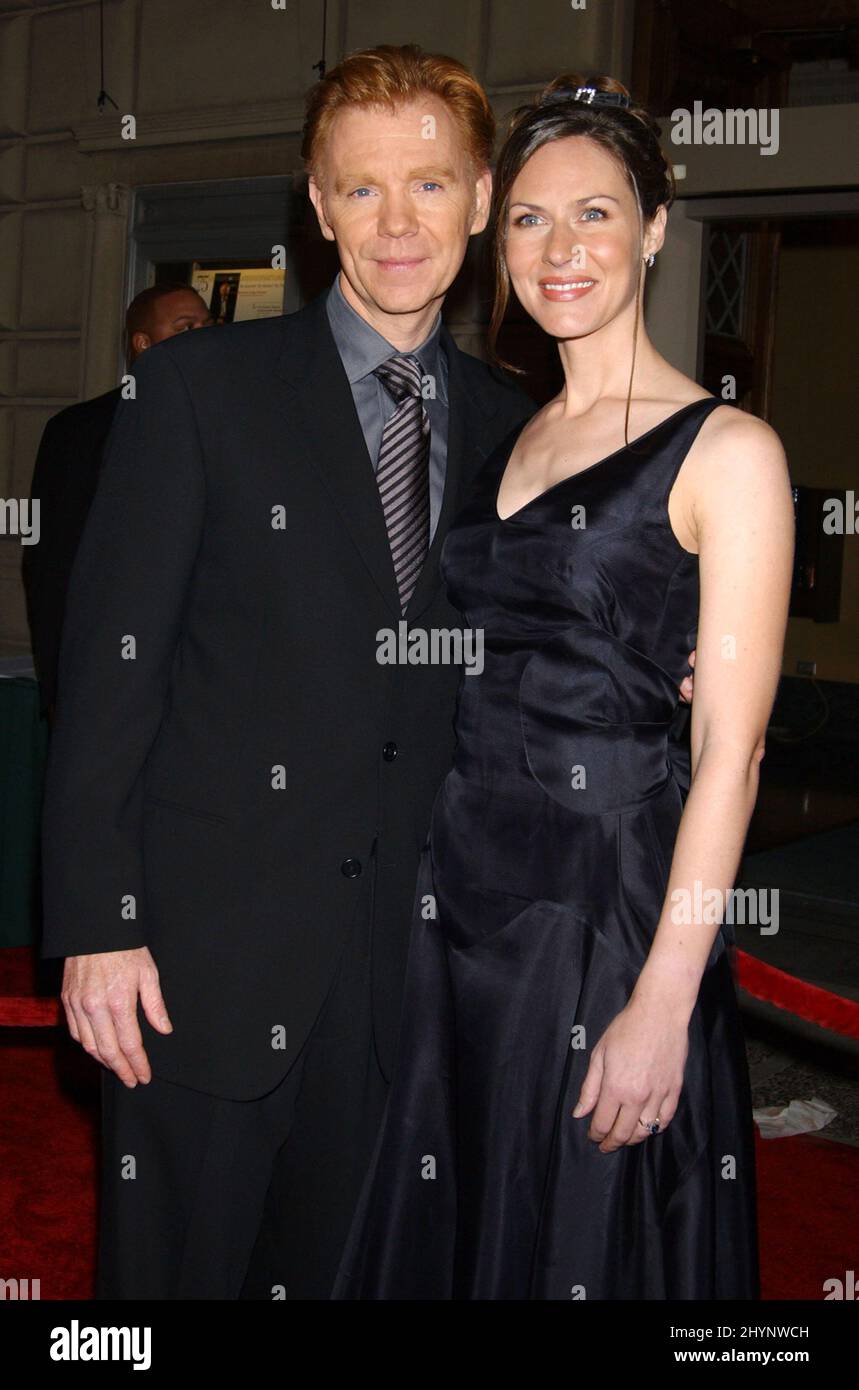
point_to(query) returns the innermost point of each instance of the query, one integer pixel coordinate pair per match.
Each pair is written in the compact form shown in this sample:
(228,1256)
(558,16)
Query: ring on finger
(652,1126)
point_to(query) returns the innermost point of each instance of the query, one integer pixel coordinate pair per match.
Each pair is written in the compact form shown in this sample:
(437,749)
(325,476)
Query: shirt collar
(362,349)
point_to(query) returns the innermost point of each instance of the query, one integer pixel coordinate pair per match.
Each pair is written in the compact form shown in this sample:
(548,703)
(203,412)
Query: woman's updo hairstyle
(601,109)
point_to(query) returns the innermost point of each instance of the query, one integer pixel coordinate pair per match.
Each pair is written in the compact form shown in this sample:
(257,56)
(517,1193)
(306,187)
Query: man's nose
(397,217)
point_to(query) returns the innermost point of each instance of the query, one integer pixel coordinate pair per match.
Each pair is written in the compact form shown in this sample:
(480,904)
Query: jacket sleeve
(121,631)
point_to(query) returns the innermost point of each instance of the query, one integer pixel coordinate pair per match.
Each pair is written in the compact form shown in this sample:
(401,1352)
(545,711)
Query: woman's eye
(599,214)
(528,219)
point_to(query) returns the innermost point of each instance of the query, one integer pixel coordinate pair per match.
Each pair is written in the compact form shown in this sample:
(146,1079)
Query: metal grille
(726,282)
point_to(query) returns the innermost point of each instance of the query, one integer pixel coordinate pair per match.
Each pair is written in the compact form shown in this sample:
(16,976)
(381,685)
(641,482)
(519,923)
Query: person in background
(67,470)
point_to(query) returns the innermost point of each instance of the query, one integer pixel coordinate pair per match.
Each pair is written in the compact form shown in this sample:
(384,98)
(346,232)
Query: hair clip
(588,96)
(592,97)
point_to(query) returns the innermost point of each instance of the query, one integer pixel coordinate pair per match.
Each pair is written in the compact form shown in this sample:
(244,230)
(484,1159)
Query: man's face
(171,314)
(397,192)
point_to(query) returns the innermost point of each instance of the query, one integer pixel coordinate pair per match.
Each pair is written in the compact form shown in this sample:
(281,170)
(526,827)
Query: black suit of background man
(64,481)
(66,475)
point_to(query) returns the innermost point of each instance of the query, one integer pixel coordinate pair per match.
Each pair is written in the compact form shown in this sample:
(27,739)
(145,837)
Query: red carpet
(29,989)
(48,1158)
(808,1215)
(48,1161)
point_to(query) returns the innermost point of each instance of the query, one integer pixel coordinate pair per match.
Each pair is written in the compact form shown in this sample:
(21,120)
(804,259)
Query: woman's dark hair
(627,132)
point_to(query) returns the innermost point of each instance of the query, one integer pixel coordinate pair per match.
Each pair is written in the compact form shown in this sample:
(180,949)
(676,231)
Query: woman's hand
(687,685)
(636,1073)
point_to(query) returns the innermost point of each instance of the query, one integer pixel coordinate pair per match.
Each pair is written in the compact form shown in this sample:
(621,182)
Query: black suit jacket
(216,783)
(64,480)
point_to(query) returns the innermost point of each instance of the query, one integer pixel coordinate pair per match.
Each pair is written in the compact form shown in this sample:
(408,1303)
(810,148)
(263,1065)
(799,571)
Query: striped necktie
(402,474)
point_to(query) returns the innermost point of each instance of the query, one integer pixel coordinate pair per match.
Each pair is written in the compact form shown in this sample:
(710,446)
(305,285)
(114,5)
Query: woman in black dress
(570,1116)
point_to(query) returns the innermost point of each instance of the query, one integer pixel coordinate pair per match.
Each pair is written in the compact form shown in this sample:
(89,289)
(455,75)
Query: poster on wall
(233,295)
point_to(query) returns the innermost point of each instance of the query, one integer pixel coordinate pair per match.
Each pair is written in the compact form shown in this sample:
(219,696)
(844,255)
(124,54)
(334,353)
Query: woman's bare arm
(742,514)
(742,518)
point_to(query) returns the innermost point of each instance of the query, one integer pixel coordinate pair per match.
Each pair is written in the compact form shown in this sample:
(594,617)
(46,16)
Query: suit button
(389,752)
(350,868)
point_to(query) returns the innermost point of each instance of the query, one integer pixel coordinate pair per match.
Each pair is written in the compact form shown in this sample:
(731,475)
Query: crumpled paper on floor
(800,1117)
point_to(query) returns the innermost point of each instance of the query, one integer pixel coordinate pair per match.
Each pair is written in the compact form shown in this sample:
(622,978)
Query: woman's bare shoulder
(731,439)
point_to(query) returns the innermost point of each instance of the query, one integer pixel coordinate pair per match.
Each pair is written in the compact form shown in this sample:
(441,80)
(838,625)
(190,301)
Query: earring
(649,260)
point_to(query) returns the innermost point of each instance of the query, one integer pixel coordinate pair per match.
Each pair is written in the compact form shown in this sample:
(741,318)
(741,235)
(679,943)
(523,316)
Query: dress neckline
(624,448)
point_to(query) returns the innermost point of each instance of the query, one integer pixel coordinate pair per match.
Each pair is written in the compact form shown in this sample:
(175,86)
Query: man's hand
(100,994)
(686,683)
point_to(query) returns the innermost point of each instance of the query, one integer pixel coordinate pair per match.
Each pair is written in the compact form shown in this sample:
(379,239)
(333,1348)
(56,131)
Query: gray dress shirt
(362,349)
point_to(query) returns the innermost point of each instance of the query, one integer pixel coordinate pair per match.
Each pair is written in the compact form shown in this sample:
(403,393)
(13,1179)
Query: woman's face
(573,246)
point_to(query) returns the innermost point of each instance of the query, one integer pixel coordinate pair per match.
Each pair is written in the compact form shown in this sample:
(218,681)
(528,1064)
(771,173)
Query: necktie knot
(401,377)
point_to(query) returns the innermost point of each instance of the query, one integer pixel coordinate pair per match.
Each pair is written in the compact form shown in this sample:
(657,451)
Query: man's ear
(317,199)
(139,343)
(482,202)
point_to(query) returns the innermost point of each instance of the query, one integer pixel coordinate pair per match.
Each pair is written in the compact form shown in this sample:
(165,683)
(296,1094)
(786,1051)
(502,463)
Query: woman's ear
(654,237)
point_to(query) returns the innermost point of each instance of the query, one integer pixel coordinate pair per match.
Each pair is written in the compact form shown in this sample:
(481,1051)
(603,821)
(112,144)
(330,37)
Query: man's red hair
(388,77)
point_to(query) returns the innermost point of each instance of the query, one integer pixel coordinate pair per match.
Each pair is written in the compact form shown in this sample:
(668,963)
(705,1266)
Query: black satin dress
(540,889)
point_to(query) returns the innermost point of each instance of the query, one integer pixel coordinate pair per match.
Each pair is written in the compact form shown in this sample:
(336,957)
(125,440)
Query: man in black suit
(66,475)
(239,787)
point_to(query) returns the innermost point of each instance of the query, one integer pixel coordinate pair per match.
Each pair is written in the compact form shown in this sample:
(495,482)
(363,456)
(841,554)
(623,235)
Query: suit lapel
(319,400)
(467,435)
(320,404)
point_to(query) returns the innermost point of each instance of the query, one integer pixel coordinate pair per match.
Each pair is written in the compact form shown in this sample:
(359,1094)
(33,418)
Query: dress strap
(684,437)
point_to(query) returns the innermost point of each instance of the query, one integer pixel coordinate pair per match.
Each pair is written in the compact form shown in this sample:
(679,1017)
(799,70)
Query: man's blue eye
(429,183)
(359,190)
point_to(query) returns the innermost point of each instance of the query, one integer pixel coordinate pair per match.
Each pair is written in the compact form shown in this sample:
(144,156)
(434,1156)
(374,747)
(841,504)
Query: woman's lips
(562,290)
